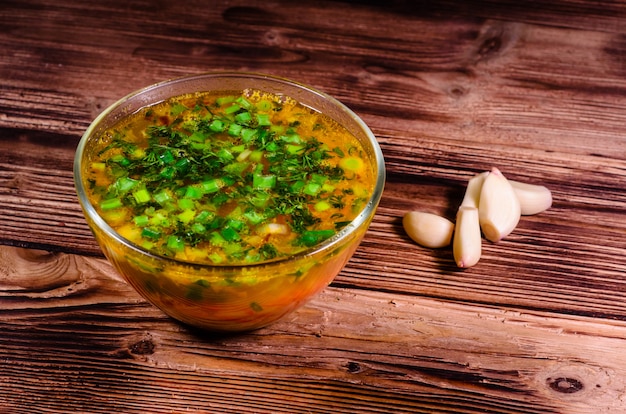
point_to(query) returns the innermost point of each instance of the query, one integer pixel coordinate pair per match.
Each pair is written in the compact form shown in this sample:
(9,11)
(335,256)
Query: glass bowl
(229,298)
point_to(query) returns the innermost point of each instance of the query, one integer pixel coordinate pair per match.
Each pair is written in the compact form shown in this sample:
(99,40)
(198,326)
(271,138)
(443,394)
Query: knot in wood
(143,347)
(272,37)
(490,46)
(353,367)
(457,91)
(565,385)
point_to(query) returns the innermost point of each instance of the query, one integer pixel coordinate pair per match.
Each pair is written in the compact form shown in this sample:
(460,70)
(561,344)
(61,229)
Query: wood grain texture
(450,89)
(101,348)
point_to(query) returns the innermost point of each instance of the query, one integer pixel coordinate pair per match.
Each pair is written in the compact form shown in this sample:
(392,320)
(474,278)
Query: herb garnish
(219,177)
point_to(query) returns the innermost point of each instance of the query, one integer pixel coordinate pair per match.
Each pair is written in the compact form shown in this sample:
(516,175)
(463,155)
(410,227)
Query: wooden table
(450,89)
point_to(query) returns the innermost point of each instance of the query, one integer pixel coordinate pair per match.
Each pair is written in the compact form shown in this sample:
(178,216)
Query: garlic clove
(533,198)
(499,209)
(472,192)
(467,244)
(427,229)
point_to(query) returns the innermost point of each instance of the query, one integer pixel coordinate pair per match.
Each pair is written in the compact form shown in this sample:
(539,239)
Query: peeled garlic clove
(467,244)
(472,192)
(427,229)
(533,199)
(499,209)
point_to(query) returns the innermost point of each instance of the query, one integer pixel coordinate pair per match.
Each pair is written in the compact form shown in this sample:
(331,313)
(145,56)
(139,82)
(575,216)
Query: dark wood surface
(451,88)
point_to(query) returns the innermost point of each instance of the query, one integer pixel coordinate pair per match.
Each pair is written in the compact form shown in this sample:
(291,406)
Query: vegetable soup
(228,177)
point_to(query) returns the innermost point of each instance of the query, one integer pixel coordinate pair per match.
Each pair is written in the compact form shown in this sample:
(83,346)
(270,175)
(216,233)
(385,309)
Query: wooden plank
(90,338)
(38,203)
(450,89)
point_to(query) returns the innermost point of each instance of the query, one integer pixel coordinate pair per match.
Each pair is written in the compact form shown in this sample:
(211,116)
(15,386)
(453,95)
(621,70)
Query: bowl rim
(327,245)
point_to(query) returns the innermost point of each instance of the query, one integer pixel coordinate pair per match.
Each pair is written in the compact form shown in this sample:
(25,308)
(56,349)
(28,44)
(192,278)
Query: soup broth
(228,177)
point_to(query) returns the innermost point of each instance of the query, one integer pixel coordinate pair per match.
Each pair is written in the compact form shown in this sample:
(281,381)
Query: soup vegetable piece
(228,178)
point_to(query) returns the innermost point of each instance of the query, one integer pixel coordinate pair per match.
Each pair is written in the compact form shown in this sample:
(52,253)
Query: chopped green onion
(98,166)
(237,225)
(260,199)
(121,160)
(204,215)
(186,204)
(234,130)
(159,219)
(199,146)
(142,196)
(148,245)
(167,172)
(277,129)
(211,186)
(182,165)
(166,157)
(141,221)
(244,102)
(233,248)
(312,189)
(253,217)
(248,134)
(124,184)
(292,139)
(162,197)
(264,105)
(351,164)
(177,109)
(198,228)
(322,205)
(150,233)
(111,204)
(197,137)
(229,234)
(217,125)
(186,216)
(243,118)
(193,192)
(237,148)
(312,237)
(217,239)
(263,120)
(338,151)
(225,155)
(297,186)
(236,168)
(256,156)
(318,178)
(294,148)
(263,181)
(223,100)
(272,146)
(175,243)
(232,109)
(216,258)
